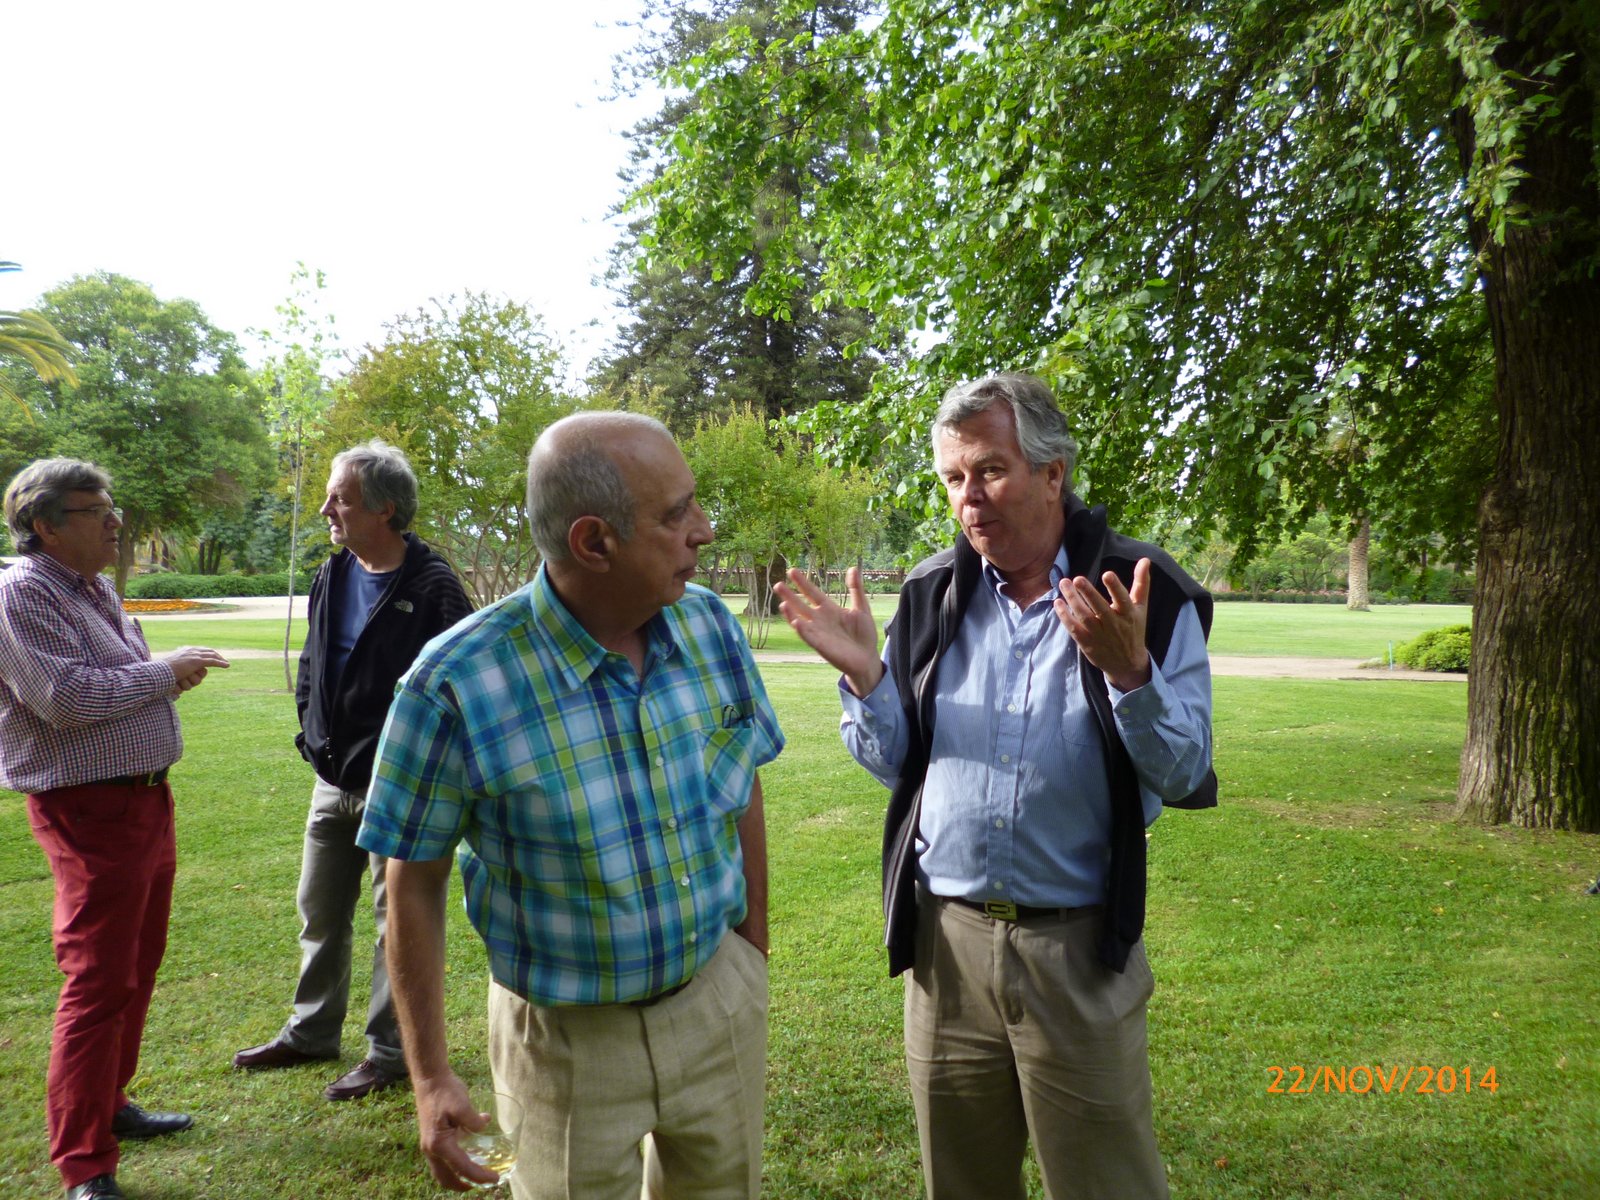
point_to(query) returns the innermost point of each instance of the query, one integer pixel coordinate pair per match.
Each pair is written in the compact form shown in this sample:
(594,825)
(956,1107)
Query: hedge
(1448,649)
(168,586)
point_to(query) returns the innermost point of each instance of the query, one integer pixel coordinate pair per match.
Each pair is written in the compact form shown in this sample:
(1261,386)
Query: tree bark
(1357,595)
(1532,753)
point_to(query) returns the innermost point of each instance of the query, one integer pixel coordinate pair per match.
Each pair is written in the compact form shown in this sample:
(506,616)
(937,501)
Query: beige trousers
(1014,1030)
(595,1081)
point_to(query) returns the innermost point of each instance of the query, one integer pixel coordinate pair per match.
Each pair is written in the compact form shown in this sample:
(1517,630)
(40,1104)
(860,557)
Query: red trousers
(113,855)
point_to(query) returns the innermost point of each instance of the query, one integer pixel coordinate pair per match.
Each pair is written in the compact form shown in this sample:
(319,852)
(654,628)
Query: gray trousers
(331,868)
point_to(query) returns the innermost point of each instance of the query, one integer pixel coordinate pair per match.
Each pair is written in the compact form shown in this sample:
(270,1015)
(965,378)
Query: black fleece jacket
(932,602)
(340,719)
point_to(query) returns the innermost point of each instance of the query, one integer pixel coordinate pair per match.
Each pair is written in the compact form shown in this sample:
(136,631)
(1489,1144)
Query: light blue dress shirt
(1016,804)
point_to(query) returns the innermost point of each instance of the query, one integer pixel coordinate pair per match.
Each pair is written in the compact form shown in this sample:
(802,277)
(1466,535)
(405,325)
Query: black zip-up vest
(932,603)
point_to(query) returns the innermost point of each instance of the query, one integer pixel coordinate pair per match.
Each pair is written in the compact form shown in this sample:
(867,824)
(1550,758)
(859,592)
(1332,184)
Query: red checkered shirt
(80,698)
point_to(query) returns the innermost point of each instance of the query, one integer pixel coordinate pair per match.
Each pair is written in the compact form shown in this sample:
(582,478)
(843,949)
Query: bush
(1448,649)
(167,586)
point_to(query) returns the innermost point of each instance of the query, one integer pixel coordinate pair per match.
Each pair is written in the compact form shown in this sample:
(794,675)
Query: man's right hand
(189,665)
(444,1109)
(846,637)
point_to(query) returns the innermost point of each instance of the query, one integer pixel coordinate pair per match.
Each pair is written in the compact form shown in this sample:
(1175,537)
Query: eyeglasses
(102,512)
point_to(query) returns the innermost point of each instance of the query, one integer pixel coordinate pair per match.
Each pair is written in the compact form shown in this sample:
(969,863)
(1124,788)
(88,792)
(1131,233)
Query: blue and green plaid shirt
(599,813)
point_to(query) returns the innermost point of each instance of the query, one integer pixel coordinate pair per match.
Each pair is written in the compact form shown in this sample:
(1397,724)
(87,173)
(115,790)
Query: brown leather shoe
(362,1080)
(274,1054)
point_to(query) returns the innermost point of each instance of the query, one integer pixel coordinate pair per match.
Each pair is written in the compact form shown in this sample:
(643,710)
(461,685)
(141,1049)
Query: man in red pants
(88,731)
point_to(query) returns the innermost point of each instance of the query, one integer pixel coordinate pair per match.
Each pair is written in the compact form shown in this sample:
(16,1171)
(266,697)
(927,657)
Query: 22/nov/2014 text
(1361,1079)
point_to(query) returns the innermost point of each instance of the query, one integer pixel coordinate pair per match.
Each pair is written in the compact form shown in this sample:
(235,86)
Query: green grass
(1330,912)
(1251,628)
(247,633)
(1325,630)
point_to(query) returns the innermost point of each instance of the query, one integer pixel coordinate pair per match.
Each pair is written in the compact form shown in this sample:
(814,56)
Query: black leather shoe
(362,1080)
(276,1053)
(101,1187)
(132,1121)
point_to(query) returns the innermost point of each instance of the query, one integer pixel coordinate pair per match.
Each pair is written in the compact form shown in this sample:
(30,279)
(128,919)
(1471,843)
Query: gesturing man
(371,610)
(1043,691)
(88,731)
(594,739)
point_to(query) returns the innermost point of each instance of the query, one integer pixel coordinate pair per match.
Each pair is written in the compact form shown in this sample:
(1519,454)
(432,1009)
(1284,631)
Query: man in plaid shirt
(88,730)
(594,740)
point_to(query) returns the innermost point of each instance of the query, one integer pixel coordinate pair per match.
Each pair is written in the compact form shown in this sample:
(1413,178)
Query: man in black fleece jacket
(1044,691)
(372,609)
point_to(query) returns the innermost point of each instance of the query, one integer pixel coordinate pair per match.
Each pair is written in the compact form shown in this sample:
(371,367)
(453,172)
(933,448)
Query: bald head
(578,468)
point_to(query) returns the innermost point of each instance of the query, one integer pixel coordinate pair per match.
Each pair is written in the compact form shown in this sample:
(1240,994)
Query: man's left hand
(1110,634)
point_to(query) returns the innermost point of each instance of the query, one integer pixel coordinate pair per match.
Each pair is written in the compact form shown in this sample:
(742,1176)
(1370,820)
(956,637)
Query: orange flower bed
(159,606)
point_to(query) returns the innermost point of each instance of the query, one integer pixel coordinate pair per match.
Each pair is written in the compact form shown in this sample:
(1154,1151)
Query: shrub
(1448,649)
(167,586)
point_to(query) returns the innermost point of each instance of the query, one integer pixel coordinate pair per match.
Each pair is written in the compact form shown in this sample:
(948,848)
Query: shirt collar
(1058,572)
(576,652)
(62,573)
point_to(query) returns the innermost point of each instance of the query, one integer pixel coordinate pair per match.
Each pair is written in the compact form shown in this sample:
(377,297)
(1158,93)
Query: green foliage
(698,335)
(1448,649)
(162,401)
(172,586)
(298,393)
(770,502)
(464,387)
(1231,235)
(31,338)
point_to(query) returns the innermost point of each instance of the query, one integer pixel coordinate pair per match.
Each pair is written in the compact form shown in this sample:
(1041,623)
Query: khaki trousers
(1014,1030)
(596,1081)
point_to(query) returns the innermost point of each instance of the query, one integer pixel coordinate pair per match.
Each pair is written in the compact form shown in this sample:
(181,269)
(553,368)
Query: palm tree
(28,336)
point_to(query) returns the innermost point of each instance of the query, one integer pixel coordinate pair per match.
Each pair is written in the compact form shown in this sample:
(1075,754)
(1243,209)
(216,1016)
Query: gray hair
(1041,425)
(571,474)
(39,493)
(385,476)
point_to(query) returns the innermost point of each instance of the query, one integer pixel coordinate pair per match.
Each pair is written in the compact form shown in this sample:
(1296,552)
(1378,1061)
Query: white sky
(407,150)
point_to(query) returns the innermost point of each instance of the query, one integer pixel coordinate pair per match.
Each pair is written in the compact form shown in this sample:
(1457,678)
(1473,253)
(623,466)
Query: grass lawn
(1329,915)
(244,633)
(1251,628)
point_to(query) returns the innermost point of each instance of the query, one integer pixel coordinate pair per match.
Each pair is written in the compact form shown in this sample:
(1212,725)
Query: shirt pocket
(1077,726)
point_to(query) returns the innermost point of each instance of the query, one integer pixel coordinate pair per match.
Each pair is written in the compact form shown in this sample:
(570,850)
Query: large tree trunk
(1358,596)
(1532,754)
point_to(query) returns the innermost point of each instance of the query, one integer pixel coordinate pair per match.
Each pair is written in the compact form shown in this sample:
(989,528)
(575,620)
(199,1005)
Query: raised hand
(846,637)
(1110,635)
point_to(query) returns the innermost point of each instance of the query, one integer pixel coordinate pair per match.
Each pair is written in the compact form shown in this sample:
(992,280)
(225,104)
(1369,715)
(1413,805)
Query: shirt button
(672,822)
(1011,708)
(661,760)
(693,937)
(999,885)
(683,881)
(1017,654)
(999,823)
(1005,758)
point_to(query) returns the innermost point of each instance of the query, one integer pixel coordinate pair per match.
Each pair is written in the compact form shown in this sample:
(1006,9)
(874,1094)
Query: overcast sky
(407,150)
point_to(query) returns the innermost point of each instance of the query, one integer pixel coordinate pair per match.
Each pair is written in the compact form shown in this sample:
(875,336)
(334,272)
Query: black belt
(148,779)
(660,996)
(1004,910)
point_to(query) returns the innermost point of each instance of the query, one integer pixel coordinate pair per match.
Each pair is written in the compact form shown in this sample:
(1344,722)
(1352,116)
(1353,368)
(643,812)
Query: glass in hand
(495,1145)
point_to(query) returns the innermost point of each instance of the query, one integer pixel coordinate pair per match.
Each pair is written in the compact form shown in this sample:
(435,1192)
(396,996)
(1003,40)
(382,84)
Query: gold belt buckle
(1000,910)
